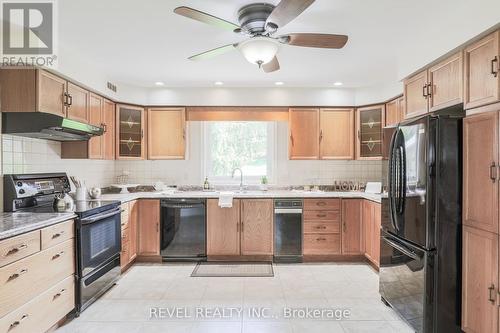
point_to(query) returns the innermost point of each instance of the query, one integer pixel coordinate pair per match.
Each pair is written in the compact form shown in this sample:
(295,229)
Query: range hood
(47,126)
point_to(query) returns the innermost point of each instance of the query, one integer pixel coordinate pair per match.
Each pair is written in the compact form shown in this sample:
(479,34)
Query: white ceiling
(140,42)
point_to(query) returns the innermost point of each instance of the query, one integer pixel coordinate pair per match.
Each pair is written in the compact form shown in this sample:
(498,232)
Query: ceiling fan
(260,21)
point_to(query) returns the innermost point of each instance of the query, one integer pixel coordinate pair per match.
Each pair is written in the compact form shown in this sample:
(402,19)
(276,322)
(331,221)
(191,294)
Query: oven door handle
(100,216)
(402,248)
(288,211)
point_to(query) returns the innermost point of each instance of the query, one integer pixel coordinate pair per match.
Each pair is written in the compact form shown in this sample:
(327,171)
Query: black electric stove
(97,229)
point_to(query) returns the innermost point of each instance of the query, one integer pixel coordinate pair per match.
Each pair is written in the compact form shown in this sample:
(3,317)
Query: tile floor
(161,289)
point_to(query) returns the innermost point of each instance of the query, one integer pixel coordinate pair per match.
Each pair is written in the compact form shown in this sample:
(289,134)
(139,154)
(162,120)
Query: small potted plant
(263,183)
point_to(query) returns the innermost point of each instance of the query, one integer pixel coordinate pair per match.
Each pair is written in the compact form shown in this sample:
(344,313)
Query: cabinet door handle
(65,99)
(424,91)
(70,100)
(491,290)
(430,89)
(320,135)
(104,127)
(17,322)
(291,139)
(241,226)
(359,135)
(344,226)
(16,249)
(184,134)
(493,62)
(493,172)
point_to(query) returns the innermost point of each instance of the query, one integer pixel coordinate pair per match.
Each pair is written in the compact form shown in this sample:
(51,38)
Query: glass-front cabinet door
(130,132)
(370,121)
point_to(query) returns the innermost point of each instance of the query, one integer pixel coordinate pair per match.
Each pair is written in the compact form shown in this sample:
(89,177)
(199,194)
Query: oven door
(99,240)
(407,281)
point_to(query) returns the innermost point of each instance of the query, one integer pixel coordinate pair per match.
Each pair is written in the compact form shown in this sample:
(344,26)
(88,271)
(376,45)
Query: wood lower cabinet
(372,219)
(129,222)
(352,226)
(369,123)
(148,227)
(479,281)
(303,133)
(336,136)
(257,227)
(130,125)
(322,220)
(480,171)
(166,133)
(481,67)
(223,229)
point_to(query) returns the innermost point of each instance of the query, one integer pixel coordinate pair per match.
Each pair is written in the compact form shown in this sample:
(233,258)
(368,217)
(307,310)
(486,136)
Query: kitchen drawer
(321,244)
(321,204)
(322,215)
(18,247)
(28,277)
(322,227)
(57,234)
(43,312)
(125,254)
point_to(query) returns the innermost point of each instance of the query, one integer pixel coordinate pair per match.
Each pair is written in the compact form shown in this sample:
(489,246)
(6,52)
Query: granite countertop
(13,224)
(245,194)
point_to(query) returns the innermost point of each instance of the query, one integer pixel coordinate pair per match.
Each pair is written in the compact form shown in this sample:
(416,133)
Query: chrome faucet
(241,177)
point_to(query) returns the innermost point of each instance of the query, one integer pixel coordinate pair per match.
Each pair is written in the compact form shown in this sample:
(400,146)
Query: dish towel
(226,199)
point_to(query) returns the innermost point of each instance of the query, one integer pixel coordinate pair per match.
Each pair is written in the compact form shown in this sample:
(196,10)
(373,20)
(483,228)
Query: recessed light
(218,83)
(279,83)
(159,83)
(338,84)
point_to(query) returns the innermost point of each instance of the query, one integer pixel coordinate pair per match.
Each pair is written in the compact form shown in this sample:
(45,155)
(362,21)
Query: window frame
(247,180)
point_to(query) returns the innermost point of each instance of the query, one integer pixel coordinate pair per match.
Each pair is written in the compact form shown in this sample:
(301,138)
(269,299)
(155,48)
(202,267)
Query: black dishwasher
(183,230)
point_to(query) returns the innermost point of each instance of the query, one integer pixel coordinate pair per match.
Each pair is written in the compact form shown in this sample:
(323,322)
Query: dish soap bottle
(206,184)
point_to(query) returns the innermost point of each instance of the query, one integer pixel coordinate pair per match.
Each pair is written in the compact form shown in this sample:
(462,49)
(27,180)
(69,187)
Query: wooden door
(78,103)
(446,83)
(392,113)
(401,108)
(130,143)
(352,226)
(133,223)
(367,214)
(109,130)
(303,130)
(481,66)
(166,133)
(51,93)
(149,227)
(95,118)
(257,227)
(336,134)
(223,229)
(479,281)
(480,171)
(369,123)
(415,92)
(375,232)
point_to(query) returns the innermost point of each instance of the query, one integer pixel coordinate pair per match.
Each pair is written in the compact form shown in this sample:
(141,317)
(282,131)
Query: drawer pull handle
(57,255)
(491,298)
(59,294)
(16,275)
(59,234)
(320,215)
(321,227)
(17,322)
(16,249)
(321,203)
(320,239)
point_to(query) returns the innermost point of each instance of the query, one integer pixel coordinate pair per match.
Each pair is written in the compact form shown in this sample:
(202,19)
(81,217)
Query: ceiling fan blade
(205,18)
(326,41)
(286,11)
(271,66)
(214,52)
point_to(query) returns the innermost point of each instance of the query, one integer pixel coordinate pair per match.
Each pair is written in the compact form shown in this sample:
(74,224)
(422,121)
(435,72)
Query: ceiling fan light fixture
(259,50)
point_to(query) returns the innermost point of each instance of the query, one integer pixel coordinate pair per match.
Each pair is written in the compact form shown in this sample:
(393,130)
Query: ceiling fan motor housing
(253,17)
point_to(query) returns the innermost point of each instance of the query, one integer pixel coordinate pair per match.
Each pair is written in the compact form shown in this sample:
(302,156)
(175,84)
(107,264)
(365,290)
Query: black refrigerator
(420,245)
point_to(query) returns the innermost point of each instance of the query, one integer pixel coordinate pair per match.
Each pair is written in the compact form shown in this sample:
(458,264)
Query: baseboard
(241,258)
(334,258)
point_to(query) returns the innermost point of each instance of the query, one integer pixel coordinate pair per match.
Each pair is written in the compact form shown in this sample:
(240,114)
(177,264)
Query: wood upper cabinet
(352,226)
(223,229)
(369,122)
(96,150)
(303,130)
(394,111)
(108,119)
(446,83)
(481,71)
(480,171)
(130,125)
(415,92)
(149,227)
(166,133)
(479,281)
(78,103)
(336,134)
(51,96)
(257,227)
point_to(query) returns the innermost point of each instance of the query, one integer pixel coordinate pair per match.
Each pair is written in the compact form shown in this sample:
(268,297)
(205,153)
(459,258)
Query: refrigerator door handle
(392,178)
(403,249)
